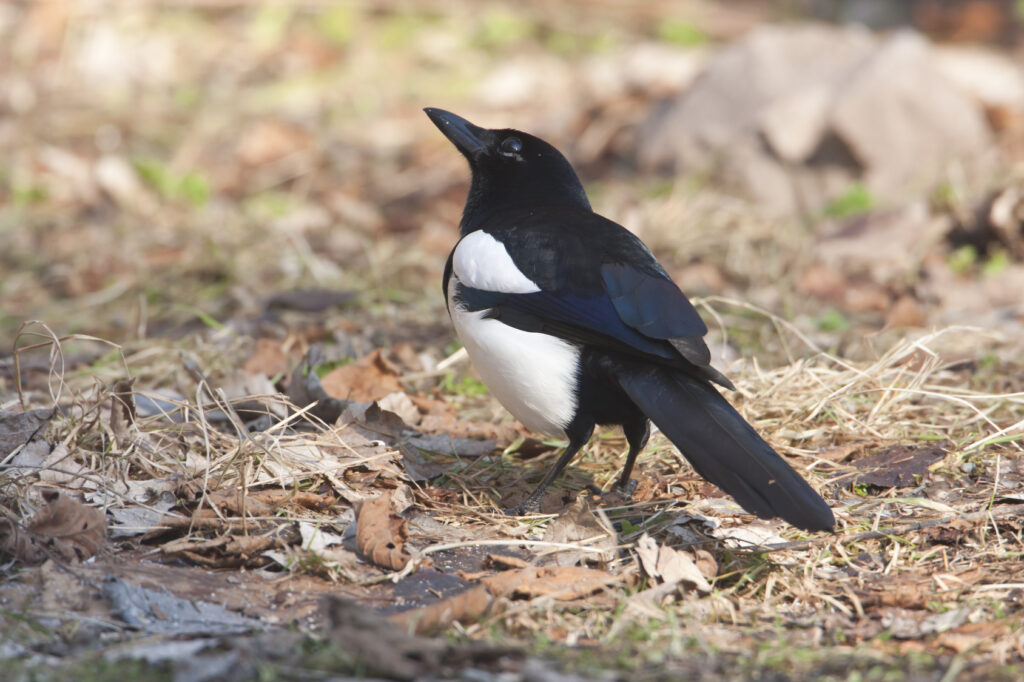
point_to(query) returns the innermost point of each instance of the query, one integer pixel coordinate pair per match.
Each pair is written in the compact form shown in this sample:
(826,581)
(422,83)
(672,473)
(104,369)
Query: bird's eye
(511,146)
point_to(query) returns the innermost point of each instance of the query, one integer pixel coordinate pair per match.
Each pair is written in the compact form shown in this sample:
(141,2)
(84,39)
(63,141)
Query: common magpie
(571,322)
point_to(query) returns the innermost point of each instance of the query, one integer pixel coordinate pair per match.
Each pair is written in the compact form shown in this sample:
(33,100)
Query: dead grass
(275,154)
(930,570)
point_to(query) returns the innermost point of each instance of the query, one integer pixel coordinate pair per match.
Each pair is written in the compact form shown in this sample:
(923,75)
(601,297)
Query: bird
(571,322)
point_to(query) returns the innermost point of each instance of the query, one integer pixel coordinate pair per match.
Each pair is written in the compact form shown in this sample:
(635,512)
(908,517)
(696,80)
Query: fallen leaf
(159,611)
(897,467)
(316,539)
(305,388)
(971,635)
(502,562)
(578,524)
(840,453)
(18,428)
(369,378)
(673,566)
(756,534)
(374,422)
(907,624)
(267,358)
(122,410)
(63,526)
(400,403)
(465,607)
(388,650)
(564,583)
(381,535)
(706,563)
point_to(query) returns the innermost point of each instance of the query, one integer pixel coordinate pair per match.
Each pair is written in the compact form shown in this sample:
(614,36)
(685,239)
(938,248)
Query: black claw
(527,506)
(628,489)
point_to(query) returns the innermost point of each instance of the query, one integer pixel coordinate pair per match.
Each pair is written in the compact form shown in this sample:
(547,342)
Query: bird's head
(510,169)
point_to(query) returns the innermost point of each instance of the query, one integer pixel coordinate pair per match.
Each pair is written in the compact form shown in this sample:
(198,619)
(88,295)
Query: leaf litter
(228,481)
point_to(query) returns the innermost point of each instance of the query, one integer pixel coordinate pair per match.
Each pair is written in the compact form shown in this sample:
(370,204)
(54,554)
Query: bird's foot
(527,506)
(616,490)
(627,489)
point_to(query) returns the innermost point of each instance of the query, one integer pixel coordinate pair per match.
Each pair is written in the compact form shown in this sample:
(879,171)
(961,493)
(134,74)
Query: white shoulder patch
(482,262)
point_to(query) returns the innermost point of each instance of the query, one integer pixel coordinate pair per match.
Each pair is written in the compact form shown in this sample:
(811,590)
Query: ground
(238,439)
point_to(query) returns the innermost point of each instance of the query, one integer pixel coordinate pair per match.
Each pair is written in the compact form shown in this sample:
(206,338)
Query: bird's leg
(577,440)
(636,433)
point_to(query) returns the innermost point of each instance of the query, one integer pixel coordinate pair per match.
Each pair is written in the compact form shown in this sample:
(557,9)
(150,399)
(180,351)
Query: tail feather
(723,447)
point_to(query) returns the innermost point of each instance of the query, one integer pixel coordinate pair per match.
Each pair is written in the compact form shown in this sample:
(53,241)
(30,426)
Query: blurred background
(174,165)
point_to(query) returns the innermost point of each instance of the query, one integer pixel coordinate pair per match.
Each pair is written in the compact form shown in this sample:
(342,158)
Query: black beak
(466,137)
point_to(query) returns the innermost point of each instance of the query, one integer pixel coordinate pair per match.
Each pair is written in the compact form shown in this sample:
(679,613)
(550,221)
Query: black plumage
(540,283)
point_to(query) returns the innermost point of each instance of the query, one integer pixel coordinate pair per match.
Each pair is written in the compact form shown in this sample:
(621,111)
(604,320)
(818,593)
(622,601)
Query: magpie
(571,322)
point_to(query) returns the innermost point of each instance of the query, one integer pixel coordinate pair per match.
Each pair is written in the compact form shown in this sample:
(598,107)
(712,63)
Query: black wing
(599,285)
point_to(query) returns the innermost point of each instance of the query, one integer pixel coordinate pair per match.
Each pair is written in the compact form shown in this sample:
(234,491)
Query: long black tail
(723,447)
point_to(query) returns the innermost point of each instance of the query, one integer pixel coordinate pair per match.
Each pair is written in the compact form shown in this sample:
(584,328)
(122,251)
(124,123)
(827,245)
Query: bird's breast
(533,375)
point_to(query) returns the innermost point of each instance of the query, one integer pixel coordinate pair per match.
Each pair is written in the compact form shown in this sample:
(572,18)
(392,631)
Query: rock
(791,116)
(991,78)
(903,120)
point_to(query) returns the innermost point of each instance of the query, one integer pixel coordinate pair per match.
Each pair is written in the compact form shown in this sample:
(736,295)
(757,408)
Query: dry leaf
(63,526)
(502,562)
(381,535)
(898,466)
(15,541)
(386,650)
(564,583)
(673,566)
(304,388)
(465,607)
(706,563)
(371,377)
(267,358)
(18,428)
(578,524)
(122,410)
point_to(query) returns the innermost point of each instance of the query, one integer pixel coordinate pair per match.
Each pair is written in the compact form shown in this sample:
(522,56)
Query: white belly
(533,375)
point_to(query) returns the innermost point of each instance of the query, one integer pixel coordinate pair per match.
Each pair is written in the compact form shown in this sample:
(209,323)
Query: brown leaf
(63,526)
(971,635)
(304,388)
(465,607)
(15,541)
(580,523)
(564,583)
(267,358)
(385,649)
(371,377)
(381,535)
(672,565)
(502,562)
(122,409)
(706,563)
(898,466)
(840,453)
